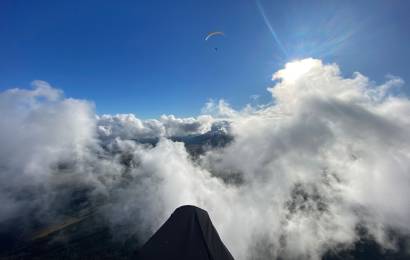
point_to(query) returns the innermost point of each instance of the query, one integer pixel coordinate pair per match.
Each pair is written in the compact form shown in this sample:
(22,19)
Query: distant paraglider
(212,34)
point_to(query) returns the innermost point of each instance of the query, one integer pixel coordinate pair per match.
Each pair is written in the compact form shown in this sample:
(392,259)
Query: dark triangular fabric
(187,234)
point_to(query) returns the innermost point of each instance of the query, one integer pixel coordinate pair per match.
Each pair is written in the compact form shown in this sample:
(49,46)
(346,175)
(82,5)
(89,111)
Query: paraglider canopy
(211,34)
(188,234)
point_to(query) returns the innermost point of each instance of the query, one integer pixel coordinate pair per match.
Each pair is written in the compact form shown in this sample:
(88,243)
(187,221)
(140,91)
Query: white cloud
(336,138)
(39,129)
(127,126)
(332,153)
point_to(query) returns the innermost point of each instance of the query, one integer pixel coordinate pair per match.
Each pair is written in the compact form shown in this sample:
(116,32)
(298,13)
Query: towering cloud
(329,156)
(301,177)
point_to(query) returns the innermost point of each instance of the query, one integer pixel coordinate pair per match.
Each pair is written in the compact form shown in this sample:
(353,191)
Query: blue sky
(150,57)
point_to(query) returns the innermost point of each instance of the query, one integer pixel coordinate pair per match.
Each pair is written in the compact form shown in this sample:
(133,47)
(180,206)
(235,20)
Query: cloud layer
(330,156)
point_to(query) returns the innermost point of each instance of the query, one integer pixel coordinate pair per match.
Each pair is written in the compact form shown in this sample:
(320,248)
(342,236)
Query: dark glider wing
(187,234)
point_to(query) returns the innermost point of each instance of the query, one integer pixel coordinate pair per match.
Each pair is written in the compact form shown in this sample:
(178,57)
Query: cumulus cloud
(299,179)
(328,155)
(127,126)
(39,130)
